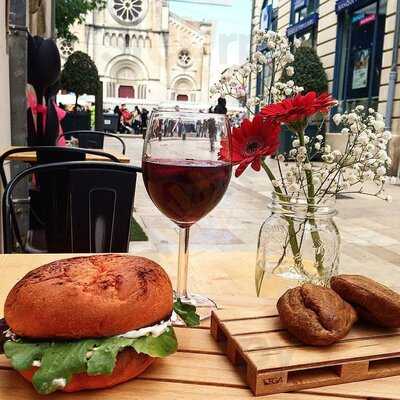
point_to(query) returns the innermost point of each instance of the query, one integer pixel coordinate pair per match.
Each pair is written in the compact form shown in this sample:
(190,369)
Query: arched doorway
(182,97)
(182,89)
(126,92)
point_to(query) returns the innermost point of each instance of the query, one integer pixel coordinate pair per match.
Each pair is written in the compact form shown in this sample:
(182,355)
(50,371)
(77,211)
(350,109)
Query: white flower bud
(317,146)
(288,91)
(319,137)
(296,143)
(306,139)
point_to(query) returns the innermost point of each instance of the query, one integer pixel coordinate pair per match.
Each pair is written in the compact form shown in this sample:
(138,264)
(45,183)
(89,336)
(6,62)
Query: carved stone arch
(121,41)
(134,41)
(141,41)
(127,61)
(106,39)
(113,40)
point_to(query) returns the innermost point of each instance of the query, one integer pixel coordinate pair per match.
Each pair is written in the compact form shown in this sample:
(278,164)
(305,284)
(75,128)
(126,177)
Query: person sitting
(127,118)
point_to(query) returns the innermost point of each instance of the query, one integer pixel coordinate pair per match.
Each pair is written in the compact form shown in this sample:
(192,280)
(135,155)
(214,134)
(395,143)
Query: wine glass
(186,177)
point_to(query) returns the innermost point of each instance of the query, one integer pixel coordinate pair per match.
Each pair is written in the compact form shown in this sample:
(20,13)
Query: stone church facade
(146,53)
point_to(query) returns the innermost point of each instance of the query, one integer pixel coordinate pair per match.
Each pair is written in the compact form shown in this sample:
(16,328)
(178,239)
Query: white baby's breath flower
(360,108)
(345,131)
(288,91)
(319,137)
(317,146)
(337,119)
(296,143)
(306,139)
(302,150)
(327,148)
(381,171)
(290,71)
(297,43)
(275,183)
(351,118)
(379,125)
(290,84)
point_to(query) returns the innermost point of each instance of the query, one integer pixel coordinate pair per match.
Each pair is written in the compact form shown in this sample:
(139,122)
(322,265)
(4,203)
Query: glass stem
(182,289)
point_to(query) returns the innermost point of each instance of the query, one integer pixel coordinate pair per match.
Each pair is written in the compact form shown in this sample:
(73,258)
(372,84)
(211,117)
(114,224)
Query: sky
(231,39)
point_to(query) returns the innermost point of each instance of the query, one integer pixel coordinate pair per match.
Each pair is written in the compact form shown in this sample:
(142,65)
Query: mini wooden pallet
(272,361)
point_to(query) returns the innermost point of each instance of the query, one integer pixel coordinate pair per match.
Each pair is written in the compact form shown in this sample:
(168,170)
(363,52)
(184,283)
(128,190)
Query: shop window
(268,22)
(359,58)
(301,12)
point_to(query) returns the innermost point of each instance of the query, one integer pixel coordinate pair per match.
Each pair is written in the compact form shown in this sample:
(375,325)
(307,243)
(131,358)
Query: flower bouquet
(300,241)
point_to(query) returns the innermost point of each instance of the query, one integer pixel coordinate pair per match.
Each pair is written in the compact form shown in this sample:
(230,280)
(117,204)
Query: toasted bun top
(95,296)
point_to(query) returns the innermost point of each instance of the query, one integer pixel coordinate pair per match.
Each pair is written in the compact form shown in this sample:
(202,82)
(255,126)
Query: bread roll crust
(373,301)
(128,366)
(86,297)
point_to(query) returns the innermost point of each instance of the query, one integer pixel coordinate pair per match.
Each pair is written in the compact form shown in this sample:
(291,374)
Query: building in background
(5,137)
(146,53)
(354,39)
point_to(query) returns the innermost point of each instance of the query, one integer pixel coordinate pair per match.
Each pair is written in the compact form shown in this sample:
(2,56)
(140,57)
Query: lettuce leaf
(60,360)
(187,313)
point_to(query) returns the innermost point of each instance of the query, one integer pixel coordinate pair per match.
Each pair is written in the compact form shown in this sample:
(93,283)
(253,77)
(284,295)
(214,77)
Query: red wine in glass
(186,190)
(185,177)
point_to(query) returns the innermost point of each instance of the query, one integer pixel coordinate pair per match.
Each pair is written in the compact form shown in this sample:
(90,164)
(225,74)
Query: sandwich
(91,322)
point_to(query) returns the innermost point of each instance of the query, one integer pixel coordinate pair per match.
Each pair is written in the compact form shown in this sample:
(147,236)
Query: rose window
(128,12)
(66,48)
(184,58)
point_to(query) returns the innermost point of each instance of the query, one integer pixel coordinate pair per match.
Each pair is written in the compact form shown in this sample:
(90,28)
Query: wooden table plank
(295,356)
(31,156)
(172,378)
(12,386)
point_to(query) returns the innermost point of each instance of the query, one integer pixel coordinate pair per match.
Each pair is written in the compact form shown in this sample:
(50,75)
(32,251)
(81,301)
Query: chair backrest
(87,206)
(51,154)
(92,139)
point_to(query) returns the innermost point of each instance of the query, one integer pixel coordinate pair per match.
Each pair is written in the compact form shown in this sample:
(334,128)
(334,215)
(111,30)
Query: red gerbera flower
(252,141)
(298,108)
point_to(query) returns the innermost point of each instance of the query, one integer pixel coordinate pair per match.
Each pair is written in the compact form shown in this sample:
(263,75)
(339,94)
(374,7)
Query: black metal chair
(44,155)
(88,206)
(51,154)
(92,139)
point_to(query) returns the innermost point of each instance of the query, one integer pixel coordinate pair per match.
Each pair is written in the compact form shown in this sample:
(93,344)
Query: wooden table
(31,156)
(199,370)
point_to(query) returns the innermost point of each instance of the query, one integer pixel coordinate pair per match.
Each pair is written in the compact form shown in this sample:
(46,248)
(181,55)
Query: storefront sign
(342,5)
(297,4)
(303,25)
(368,19)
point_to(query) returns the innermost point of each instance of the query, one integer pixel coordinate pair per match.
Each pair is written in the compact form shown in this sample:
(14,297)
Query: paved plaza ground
(369,227)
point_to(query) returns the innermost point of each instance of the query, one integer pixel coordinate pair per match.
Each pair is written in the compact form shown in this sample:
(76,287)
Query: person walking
(118,112)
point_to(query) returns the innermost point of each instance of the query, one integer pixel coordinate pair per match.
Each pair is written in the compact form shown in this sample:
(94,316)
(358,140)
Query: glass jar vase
(298,243)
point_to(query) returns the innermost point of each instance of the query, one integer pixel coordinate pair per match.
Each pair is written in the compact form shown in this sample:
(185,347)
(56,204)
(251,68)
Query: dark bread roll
(86,297)
(128,366)
(315,315)
(373,301)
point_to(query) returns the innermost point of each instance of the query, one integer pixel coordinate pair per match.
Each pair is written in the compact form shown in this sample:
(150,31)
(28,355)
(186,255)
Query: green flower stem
(292,232)
(319,257)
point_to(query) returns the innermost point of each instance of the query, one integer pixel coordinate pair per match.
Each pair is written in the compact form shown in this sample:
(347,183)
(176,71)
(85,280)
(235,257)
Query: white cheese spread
(59,382)
(155,330)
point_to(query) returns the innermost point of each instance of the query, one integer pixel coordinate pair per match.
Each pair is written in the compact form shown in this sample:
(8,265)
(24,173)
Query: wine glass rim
(188,113)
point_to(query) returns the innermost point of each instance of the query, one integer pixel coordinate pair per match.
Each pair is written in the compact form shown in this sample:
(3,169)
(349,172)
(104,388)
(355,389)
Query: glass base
(203,304)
